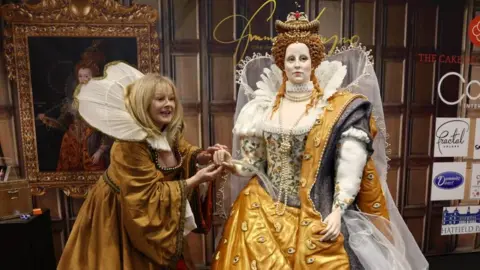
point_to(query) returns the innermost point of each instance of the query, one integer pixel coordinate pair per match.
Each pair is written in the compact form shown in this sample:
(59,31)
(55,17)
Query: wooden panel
(186,19)
(417,182)
(222,10)
(364,22)
(465,242)
(331,19)
(420,135)
(437,243)
(424,83)
(223,74)
(8,141)
(259,25)
(425,27)
(396,25)
(222,133)
(393,176)
(394,129)
(417,227)
(50,200)
(394,81)
(75,204)
(192,129)
(187,77)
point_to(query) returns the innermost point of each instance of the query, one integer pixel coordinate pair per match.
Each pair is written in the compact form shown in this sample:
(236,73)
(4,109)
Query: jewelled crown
(297,25)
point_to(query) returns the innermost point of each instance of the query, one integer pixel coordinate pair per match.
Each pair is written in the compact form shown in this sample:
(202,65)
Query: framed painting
(50,49)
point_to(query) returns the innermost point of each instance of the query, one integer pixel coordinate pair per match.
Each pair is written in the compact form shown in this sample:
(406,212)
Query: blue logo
(448,180)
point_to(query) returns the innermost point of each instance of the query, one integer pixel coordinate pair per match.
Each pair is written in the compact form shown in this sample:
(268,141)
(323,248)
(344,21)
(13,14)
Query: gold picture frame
(70,20)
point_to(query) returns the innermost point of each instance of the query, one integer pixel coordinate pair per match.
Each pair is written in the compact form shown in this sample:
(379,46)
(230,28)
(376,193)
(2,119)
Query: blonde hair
(139,96)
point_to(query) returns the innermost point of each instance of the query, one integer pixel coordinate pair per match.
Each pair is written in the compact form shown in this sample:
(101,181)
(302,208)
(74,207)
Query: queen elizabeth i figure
(310,173)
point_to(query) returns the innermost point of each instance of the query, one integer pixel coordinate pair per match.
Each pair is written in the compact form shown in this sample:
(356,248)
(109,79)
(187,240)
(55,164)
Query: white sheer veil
(378,243)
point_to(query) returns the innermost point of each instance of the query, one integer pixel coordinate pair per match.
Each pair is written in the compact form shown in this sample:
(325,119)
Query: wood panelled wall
(396,31)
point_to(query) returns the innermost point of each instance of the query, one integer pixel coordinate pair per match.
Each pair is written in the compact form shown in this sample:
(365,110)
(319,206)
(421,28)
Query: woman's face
(298,64)
(84,75)
(162,108)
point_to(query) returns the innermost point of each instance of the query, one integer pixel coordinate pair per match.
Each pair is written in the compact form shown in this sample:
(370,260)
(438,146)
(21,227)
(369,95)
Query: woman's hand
(207,174)
(96,157)
(333,222)
(205,157)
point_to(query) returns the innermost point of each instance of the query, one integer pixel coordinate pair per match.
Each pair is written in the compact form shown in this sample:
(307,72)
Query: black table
(27,244)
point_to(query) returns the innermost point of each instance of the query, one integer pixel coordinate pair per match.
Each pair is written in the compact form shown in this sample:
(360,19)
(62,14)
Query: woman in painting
(149,198)
(311,167)
(82,147)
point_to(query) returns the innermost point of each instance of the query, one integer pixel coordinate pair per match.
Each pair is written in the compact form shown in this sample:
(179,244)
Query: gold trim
(69,18)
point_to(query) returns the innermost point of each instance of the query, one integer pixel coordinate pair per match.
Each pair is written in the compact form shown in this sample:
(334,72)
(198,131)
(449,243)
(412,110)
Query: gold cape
(255,237)
(139,226)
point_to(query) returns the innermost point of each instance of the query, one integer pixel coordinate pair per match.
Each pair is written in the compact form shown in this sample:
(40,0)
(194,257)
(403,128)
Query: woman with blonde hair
(140,210)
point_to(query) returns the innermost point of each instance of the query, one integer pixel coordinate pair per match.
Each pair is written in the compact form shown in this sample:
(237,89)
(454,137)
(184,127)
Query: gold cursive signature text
(247,36)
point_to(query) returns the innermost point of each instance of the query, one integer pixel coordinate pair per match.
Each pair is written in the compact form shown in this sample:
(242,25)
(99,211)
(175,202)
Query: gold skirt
(255,237)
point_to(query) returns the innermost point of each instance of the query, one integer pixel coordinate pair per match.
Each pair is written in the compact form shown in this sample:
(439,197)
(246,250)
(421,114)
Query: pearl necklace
(298,98)
(300,87)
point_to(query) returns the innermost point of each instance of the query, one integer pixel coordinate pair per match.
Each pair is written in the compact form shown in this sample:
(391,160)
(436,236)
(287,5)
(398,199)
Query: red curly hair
(317,54)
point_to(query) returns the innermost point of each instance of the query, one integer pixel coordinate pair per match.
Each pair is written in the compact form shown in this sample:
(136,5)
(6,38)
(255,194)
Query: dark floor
(465,261)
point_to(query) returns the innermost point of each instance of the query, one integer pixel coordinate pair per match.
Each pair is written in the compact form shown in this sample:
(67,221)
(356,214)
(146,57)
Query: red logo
(474,31)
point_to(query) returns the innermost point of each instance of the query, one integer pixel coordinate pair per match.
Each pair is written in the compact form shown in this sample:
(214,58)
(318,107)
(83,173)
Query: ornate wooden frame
(68,18)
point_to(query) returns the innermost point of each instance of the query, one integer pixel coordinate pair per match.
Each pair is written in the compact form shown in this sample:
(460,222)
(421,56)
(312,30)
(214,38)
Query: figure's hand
(333,222)
(205,157)
(41,116)
(224,158)
(96,157)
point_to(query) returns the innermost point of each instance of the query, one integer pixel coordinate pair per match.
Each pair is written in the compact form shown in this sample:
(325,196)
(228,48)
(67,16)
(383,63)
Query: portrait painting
(58,65)
(51,50)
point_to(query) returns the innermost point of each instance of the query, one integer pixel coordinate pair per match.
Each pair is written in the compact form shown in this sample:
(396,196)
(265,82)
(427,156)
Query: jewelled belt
(110,183)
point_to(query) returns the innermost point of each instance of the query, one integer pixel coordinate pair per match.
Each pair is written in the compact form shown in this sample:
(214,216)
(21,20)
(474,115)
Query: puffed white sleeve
(351,159)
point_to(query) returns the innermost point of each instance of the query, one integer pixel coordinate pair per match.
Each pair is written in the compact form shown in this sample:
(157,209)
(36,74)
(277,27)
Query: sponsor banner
(475,182)
(448,181)
(476,149)
(461,220)
(451,137)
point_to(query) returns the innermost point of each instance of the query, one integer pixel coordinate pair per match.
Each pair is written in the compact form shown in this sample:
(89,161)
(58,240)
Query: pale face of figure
(84,75)
(162,108)
(298,64)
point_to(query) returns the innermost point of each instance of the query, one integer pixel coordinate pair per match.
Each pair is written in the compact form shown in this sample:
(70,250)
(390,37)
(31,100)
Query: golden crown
(297,25)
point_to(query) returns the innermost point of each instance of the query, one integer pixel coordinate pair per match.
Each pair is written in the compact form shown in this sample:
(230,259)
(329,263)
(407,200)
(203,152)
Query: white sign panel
(461,220)
(451,137)
(476,150)
(475,182)
(448,181)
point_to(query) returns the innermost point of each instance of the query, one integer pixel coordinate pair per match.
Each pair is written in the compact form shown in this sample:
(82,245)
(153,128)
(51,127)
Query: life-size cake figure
(310,173)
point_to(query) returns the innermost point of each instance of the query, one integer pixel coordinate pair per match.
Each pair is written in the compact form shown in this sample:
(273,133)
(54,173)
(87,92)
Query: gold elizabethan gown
(255,236)
(133,217)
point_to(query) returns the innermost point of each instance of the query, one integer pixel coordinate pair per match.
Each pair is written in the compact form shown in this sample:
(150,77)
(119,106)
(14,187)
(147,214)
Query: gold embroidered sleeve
(153,211)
